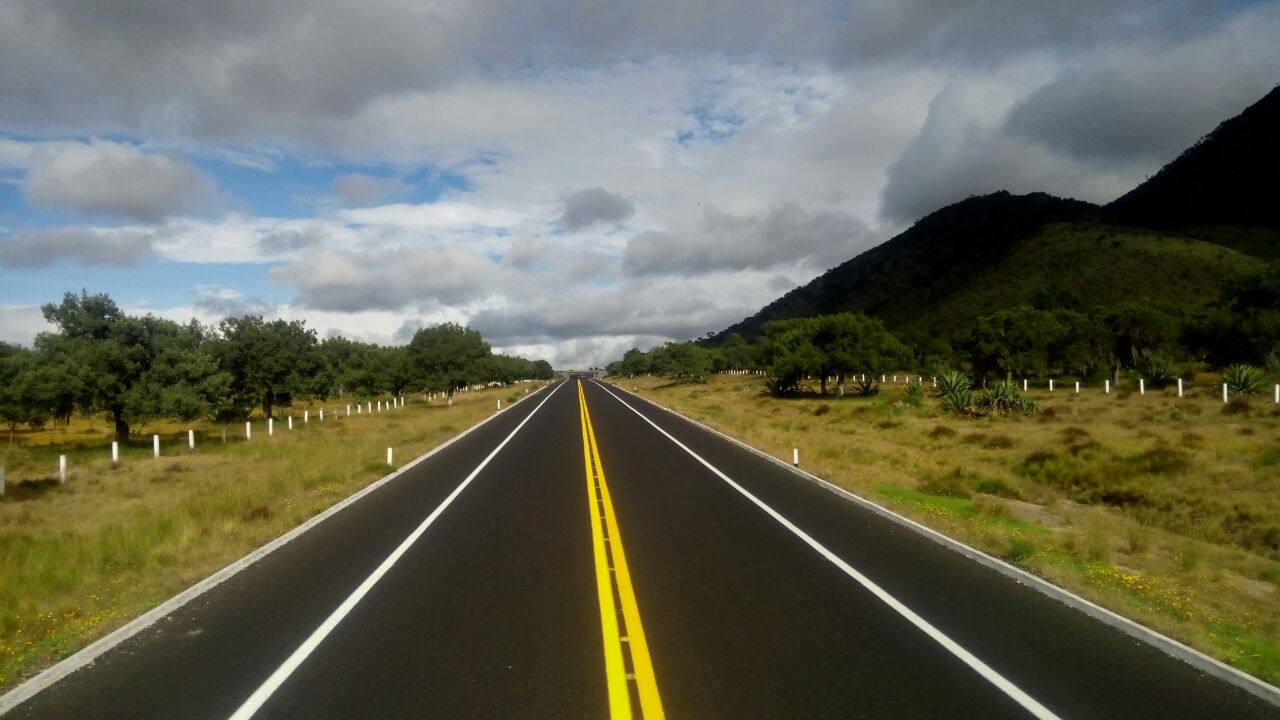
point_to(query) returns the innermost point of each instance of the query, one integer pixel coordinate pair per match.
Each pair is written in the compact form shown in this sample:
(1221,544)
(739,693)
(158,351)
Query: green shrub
(1159,372)
(949,485)
(955,393)
(1244,379)
(915,393)
(1004,398)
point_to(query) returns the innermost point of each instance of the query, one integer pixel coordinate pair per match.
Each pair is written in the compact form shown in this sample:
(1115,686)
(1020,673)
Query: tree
(109,351)
(447,356)
(853,342)
(269,362)
(790,354)
(681,361)
(1140,331)
(1018,341)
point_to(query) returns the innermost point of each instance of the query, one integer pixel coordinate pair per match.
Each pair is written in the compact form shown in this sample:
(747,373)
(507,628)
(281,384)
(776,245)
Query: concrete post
(1142,386)
(795,456)
(155,445)
(389,457)
(62,469)
(115,452)
(271,427)
(1179,387)
(248,431)
(1050,384)
(191,439)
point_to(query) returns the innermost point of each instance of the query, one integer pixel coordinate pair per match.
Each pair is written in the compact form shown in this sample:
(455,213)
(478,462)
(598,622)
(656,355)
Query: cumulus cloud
(216,301)
(387,279)
(595,205)
(84,246)
(108,178)
(362,189)
(786,235)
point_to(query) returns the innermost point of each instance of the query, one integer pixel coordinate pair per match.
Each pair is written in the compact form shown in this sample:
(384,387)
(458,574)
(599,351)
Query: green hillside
(1096,264)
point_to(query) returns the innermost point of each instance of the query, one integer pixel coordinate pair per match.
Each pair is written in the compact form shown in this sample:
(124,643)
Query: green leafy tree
(109,352)
(447,356)
(790,353)
(853,343)
(681,361)
(269,362)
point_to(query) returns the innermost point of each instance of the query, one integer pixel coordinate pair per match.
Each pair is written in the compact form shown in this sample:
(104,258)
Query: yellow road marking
(623,599)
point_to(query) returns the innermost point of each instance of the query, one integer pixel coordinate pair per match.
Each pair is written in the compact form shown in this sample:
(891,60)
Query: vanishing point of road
(585,554)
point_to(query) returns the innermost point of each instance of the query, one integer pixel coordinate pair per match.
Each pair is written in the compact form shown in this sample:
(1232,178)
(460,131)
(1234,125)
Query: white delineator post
(348,411)
(389,456)
(1277,395)
(1050,384)
(369,409)
(155,445)
(321,414)
(191,439)
(1224,392)
(306,416)
(289,422)
(795,456)
(115,452)
(1106,387)
(1142,386)
(1077,387)
(62,469)
(271,427)
(1,481)
(499,404)
(248,431)
(1179,387)
(1024,384)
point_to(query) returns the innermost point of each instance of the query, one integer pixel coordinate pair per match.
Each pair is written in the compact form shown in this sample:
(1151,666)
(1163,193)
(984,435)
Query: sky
(570,178)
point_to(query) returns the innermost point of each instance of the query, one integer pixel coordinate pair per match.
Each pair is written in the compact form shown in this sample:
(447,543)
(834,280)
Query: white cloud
(362,189)
(108,178)
(85,246)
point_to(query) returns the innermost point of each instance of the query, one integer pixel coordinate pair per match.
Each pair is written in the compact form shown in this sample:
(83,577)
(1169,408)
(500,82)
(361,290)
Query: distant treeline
(135,369)
(1057,336)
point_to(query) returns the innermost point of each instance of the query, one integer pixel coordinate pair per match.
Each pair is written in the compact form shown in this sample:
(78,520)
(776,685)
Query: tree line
(1056,335)
(135,369)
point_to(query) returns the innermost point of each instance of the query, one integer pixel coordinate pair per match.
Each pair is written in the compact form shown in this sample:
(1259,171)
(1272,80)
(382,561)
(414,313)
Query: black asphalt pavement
(494,611)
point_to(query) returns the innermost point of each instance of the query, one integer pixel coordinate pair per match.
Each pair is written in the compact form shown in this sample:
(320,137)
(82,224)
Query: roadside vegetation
(1163,509)
(82,558)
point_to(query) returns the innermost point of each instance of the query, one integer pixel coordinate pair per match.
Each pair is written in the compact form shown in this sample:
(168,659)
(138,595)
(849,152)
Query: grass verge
(1161,509)
(82,559)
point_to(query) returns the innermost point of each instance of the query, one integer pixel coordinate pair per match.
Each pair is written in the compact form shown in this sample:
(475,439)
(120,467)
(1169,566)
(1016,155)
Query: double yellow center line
(633,689)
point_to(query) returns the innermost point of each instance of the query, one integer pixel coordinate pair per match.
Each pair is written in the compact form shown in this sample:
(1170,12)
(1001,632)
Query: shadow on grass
(29,489)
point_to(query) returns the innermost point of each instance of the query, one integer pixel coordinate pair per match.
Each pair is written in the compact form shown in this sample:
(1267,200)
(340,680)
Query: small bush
(915,393)
(888,424)
(1039,457)
(1162,460)
(955,394)
(974,438)
(1237,406)
(1268,457)
(821,410)
(949,485)
(1073,433)
(999,488)
(866,388)
(1159,372)
(1019,549)
(1192,440)
(941,431)
(998,442)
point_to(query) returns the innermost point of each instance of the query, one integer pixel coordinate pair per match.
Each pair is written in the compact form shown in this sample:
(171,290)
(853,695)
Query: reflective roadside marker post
(155,445)
(1050,384)
(1142,386)
(1179,387)
(1024,384)
(1,481)
(795,457)
(1224,392)
(115,452)
(248,431)
(1277,394)
(499,404)
(348,411)
(271,427)
(290,422)
(389,457)
(321,414)
(191,439)
(62,469)
(1077,387)
(1106,387)
(306,416)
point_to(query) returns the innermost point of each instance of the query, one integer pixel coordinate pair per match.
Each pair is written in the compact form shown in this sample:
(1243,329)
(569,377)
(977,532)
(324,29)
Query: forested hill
(1231,177)
(1174,239)
(909,275)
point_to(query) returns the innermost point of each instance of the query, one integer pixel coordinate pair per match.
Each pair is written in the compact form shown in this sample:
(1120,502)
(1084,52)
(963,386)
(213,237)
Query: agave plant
(866,386)
(1244,379)
(955,393)
(1159,372)
(1005,397)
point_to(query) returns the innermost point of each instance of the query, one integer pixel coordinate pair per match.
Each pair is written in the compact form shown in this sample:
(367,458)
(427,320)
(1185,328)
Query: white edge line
(985,671)
(1204,663)
(295,660)
(94,650)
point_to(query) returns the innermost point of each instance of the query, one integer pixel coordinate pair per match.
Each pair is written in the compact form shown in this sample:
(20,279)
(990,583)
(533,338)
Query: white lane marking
(282,673)
(990,675)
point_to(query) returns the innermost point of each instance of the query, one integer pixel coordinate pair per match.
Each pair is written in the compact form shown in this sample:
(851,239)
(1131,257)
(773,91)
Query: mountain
(1173,239)
(1230,177)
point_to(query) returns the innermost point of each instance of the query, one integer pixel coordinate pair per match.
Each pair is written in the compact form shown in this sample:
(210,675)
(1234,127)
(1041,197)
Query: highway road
(584,554)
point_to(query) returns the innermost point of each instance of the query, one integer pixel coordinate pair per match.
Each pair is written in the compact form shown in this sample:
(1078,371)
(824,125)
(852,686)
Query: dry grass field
(1164,510)
(83,558)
